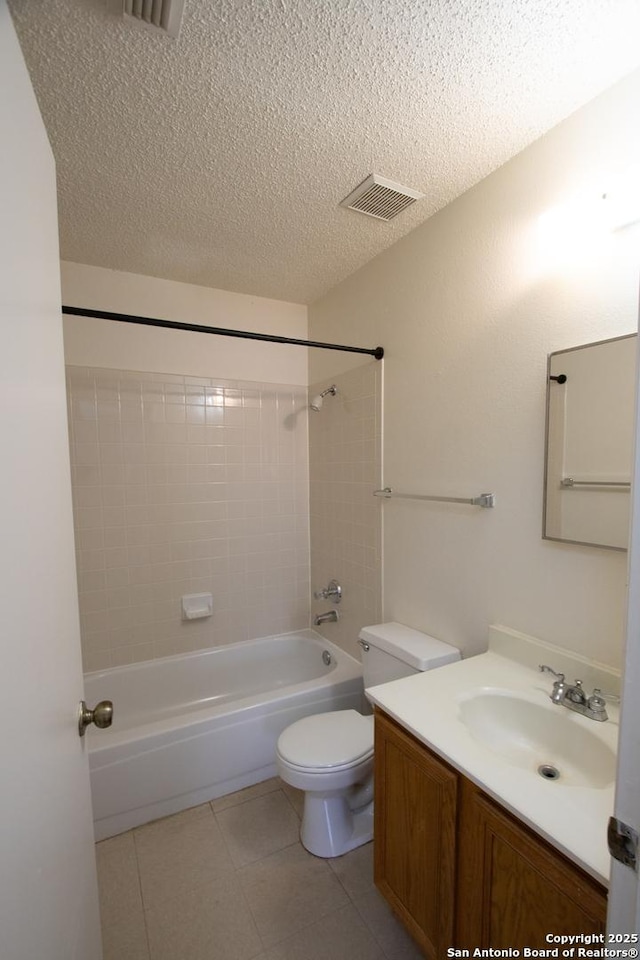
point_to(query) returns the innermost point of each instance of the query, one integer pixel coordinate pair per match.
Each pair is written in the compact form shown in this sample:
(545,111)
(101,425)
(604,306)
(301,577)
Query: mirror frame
(550,356)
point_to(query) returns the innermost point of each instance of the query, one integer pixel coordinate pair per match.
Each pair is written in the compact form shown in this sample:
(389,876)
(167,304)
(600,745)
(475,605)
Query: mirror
(590,423)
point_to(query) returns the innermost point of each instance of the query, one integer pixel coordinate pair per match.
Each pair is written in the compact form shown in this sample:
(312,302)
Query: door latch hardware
(623,843)
(101,715)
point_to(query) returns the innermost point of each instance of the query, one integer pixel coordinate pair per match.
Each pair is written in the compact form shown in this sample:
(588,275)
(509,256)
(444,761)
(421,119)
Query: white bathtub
(190,728)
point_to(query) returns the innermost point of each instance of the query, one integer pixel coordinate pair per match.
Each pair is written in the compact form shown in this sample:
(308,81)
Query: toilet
(330,755)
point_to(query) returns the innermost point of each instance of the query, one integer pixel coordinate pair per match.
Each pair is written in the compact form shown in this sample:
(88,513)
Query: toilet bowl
(330,755)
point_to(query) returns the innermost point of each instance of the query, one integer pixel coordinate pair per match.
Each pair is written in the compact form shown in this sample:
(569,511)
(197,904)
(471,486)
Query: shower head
(316,402)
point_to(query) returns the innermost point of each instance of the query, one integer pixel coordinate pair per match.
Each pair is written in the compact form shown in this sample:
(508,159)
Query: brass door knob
(101,715)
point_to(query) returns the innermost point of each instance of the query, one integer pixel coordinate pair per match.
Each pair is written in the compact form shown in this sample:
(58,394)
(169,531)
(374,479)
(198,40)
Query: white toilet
(330,755)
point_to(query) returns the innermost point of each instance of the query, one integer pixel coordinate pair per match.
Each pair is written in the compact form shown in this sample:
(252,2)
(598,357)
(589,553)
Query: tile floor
(229,880)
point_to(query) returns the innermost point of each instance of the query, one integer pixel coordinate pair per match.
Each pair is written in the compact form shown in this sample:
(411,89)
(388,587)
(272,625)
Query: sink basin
(539,737)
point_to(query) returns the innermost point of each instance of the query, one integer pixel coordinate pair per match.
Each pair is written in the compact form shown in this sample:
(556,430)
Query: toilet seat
(327,742)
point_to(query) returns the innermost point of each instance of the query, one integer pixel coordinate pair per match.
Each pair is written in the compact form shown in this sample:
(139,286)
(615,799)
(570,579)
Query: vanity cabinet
(415,811)
(457,868)
(513,887)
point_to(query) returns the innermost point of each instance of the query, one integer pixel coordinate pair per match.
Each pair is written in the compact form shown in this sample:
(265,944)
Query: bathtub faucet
(331,616)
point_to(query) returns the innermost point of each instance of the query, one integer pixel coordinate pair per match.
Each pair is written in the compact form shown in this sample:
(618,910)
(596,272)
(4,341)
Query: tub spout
(331,616)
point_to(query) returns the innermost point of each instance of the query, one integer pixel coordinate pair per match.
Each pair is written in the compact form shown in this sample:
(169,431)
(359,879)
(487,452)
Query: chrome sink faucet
(574,698)
(560,688)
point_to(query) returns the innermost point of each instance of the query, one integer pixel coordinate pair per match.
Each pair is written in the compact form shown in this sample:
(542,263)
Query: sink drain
(548,772)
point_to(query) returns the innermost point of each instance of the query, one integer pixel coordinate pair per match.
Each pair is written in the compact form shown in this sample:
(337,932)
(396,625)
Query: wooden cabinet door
(513,888)
(414,835)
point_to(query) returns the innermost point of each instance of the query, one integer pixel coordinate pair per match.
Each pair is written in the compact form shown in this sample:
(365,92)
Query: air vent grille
(165,15)
(381,198)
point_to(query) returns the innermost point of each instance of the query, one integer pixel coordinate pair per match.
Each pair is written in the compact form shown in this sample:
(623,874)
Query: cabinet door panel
(513,888)
(414,835)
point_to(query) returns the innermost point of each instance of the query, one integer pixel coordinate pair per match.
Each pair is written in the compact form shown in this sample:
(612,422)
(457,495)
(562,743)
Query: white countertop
(573,818)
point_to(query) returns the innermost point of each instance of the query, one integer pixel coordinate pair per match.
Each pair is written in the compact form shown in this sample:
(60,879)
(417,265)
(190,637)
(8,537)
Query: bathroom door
(48,890)
(624,892)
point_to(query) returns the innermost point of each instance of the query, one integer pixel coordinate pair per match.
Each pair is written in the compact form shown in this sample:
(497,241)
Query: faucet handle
(333,592)
(596,704)
(545,669)
(598,695)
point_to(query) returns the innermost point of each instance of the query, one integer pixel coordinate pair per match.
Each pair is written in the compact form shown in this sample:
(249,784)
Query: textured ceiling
(220,158)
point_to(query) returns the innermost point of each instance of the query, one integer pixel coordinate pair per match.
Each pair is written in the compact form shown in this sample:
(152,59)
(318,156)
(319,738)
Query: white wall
(48,888)
(467,308)
(104,343)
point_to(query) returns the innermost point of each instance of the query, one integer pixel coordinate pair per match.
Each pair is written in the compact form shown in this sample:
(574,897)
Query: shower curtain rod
(377,352)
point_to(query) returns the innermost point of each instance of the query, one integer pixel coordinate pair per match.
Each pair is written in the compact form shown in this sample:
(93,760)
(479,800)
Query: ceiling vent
(163,15)
(381,198)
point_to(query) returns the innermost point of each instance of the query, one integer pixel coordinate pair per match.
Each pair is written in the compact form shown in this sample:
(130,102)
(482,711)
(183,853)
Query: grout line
(144,907)
(290,802)
(247,799)
(266,855)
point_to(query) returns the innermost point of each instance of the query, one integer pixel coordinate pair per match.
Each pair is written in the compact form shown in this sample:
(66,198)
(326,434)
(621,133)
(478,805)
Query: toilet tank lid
(415,648)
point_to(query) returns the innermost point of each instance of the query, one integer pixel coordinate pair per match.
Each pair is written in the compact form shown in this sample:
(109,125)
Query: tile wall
(186,485)
(345,464)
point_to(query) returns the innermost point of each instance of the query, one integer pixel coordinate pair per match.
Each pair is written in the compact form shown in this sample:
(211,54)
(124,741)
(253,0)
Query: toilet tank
(391,651)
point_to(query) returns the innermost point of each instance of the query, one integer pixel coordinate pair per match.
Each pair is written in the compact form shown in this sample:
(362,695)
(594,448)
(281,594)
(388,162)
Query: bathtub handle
(333,592)
(101,715)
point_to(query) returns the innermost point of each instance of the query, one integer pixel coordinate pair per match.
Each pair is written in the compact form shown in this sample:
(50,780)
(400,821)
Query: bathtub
(191,728)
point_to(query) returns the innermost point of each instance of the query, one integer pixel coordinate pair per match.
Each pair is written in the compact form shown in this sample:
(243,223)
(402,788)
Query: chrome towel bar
(571,482)
(484,500)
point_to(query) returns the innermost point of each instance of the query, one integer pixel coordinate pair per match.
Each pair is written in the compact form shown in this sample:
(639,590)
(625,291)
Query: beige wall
(467,307)
(104,343)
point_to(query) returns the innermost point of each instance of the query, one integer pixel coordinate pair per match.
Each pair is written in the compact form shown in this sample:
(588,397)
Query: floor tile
(296,797)
(249,793)
(355,870)
(180,853)
(211,922)
(289,891)
(238,885)
(391,935)
(259,827)
(125,940)
(118,881)
(339,936)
